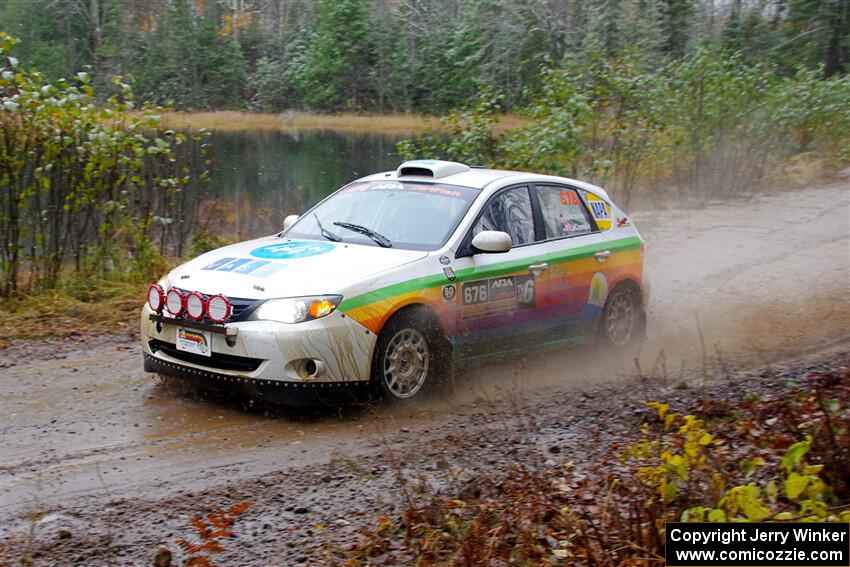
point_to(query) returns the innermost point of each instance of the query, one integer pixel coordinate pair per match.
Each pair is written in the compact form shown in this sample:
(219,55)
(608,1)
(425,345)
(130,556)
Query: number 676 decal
(476,292)
(492,295)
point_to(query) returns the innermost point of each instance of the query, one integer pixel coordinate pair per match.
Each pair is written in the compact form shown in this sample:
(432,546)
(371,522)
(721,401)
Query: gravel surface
(311,514)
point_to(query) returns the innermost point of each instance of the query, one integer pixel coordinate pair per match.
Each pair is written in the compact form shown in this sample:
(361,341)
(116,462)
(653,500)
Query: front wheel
(410,359)
(622,317)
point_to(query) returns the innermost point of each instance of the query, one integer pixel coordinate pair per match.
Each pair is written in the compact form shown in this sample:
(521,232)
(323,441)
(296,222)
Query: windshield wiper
(379,238)
(325,232)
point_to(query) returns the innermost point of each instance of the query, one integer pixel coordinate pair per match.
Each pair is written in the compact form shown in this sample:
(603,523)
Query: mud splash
(744,284)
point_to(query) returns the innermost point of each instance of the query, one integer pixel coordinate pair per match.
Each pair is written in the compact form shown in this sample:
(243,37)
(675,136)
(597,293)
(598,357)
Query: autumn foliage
(210,531)
(782,458)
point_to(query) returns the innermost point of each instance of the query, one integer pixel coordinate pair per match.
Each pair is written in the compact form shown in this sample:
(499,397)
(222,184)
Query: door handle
(602,255)
(537,268)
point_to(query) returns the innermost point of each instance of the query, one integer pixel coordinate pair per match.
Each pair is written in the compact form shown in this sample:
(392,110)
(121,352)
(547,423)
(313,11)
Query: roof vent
(431,168)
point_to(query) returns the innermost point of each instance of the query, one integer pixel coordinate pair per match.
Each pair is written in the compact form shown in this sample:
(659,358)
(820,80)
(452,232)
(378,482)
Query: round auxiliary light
(156,298)
(195,305)
(219,308)
(175,301)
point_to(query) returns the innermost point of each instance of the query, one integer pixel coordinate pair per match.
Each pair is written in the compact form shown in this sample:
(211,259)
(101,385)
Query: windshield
(412,216)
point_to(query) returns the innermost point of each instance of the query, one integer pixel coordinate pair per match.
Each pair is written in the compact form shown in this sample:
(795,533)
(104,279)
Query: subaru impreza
(385,286)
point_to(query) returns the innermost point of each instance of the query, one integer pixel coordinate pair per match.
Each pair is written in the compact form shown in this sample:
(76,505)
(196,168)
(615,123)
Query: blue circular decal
(288,250)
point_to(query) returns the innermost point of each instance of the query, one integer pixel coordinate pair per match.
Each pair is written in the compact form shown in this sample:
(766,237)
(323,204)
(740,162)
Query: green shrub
(95,187)
(706,125)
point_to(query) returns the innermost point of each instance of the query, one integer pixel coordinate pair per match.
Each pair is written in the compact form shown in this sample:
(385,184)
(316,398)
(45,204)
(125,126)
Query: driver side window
(509,211)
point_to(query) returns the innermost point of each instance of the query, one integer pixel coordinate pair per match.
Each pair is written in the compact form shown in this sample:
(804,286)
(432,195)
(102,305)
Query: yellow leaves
(747,499)
(795,484)
(679,456)
(772,491)
(659,407)
(701,514)
(816,488)
(717,515)
(662,410)
(668,491)
(814,508)
(691,422)
(676,464)
(7,42)
(795,453)
(695,514)
(640,449)
(677,452)
(234,23)
(812,469)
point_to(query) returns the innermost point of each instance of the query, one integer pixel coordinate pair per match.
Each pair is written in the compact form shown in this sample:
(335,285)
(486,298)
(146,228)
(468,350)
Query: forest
(424,56)
(694,98)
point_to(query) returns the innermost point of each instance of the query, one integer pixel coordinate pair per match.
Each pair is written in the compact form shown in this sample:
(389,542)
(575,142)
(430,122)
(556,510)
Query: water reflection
(260,177)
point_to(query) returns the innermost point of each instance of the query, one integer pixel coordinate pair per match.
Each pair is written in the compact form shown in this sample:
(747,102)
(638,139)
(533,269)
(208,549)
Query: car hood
(280,267)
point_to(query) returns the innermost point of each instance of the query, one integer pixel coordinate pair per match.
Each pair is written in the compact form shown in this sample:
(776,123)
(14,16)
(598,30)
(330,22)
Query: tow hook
(230,336)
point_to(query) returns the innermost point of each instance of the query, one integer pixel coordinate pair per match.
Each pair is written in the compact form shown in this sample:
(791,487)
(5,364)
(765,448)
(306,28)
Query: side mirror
(289,221)
(494,241)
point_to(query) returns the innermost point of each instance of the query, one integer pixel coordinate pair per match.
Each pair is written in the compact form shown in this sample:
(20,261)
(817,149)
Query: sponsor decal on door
(496,295)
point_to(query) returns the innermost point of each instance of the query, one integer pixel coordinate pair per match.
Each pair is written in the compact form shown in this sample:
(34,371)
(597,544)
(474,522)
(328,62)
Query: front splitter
(271,391)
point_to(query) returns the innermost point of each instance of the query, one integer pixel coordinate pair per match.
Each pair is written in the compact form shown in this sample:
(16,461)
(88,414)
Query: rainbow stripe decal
(556,294)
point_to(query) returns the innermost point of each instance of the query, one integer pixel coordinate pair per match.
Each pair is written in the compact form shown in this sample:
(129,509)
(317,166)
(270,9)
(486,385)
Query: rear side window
(509,211)
(563,212)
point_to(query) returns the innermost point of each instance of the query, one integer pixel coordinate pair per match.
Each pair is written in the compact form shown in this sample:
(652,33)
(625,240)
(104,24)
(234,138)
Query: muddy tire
(623,321)
(412,357)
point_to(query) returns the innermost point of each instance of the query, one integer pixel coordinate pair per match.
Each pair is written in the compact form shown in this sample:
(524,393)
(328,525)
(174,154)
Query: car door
(550,287)
(578,255)
(496,292)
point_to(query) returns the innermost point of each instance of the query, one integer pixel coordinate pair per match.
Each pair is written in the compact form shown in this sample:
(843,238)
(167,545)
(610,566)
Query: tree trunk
(835,57)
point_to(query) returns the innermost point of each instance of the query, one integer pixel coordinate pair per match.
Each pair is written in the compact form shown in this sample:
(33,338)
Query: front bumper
(266,358)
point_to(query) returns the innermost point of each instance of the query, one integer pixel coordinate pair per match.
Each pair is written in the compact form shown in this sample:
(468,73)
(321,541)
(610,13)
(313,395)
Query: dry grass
(86,308)
(392,124)
(227,120)
(804,170)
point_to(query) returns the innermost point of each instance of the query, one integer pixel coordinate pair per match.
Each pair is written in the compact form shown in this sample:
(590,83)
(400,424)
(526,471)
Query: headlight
(297,309)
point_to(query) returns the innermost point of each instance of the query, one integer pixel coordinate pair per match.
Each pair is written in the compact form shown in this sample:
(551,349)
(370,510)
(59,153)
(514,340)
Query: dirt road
(743,284)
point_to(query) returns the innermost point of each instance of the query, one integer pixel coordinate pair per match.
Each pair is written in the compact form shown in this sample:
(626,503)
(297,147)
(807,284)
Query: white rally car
(390,281)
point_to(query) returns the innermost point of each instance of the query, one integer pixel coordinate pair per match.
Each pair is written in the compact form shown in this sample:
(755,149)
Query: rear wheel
(411,357)
(622,317)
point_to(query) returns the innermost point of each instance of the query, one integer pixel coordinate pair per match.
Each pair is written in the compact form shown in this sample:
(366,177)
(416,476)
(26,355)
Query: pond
(257,178)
